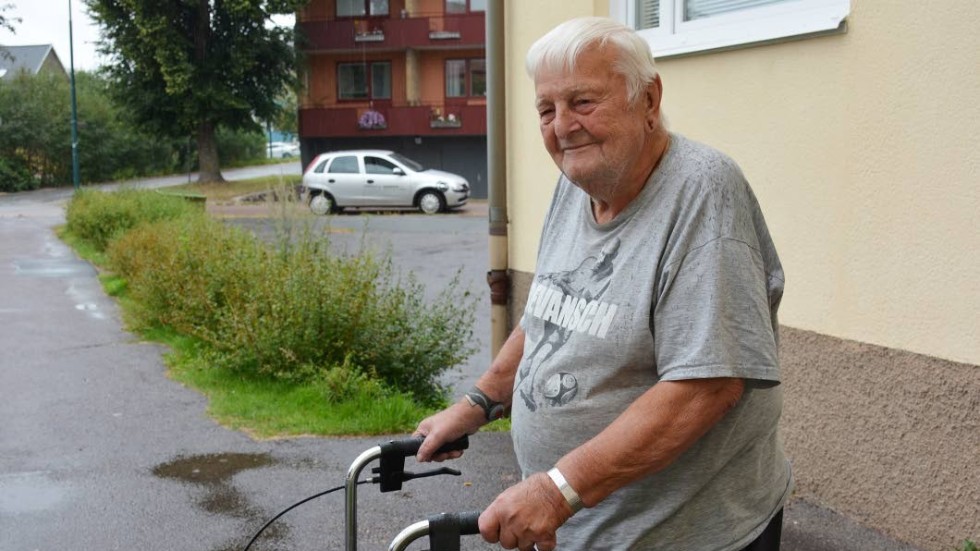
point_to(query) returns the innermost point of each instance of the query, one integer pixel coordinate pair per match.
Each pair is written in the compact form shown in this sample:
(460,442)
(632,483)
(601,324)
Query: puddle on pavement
(29,493)
(214,472)
(212,468)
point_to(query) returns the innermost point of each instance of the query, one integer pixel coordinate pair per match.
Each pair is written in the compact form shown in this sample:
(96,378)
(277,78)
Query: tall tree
(186,67)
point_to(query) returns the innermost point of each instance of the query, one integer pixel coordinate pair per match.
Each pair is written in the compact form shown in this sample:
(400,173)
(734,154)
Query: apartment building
(405,75)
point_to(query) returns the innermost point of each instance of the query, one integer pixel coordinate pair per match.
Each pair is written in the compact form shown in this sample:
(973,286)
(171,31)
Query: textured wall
(885,437)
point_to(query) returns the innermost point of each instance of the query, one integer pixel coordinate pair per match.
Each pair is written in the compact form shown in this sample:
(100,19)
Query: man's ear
(653,95)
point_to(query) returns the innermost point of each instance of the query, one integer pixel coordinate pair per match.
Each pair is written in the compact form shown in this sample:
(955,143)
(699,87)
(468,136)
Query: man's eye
(546,114)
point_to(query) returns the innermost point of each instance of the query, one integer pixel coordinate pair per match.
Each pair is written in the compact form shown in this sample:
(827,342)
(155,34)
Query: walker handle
(410,446)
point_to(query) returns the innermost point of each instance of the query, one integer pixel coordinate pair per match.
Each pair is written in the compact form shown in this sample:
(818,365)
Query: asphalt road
(99,450)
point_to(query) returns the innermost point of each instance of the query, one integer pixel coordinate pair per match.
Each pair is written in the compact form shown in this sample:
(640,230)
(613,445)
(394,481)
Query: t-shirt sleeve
(712,318)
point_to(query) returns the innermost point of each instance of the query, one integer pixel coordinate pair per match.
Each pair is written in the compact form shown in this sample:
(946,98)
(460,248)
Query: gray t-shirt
(683,284)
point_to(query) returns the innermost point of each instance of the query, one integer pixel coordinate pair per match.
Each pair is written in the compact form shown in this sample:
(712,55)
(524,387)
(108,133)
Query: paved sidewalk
(99,450)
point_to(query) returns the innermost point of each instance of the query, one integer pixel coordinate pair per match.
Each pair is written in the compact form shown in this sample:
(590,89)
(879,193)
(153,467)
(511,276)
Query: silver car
(379,179)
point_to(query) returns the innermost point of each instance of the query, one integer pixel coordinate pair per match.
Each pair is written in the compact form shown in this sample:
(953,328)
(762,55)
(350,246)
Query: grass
(269,408)
(220,192)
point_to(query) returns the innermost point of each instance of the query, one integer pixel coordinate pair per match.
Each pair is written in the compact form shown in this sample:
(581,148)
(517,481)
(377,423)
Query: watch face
(495,412)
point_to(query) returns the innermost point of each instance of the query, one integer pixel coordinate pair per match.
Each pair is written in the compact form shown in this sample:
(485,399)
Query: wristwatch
(569,493)
(491,410)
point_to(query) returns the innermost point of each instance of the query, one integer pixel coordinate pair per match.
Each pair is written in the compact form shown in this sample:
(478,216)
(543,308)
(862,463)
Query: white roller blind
(696,9)
(648,14)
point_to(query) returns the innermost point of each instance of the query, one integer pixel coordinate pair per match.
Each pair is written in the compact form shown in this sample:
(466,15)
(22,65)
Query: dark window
(344,165)
(377,165)
(465,6)
(466,77)
(362,8)
(353,82)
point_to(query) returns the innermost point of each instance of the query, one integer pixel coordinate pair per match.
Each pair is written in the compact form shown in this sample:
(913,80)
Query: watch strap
(491,410)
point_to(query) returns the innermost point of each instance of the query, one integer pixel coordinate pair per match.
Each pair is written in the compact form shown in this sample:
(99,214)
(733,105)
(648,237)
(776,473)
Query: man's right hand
(449,424)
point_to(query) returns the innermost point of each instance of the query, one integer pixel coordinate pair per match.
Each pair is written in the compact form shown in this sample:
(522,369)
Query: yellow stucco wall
(531,174)
(862,148)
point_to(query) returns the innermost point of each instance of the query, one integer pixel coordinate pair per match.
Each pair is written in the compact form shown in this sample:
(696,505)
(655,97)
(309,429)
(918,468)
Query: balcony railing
(463,30)
(421,120)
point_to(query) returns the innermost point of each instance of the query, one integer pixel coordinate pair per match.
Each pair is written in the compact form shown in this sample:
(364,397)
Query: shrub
(293,311)
(236,147)
(14,176)
(98,217)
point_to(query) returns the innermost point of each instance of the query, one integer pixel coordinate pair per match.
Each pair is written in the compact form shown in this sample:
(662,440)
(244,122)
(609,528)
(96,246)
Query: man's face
(588,126)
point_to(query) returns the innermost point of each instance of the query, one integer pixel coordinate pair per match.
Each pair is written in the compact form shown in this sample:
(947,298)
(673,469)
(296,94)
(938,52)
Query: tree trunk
(209,170)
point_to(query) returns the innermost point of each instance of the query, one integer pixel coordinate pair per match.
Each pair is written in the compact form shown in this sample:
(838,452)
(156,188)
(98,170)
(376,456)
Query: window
(466,77)
(465,6)
(683,26)
(377,165)
(344,165)
(362,8)
(353,80)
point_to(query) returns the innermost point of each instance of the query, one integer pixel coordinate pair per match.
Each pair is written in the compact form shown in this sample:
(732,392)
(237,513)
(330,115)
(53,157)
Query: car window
(407,162)
(319,168)
(344,165)
(377,165)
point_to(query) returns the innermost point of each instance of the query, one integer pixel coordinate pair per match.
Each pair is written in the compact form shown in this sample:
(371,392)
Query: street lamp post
(74,105)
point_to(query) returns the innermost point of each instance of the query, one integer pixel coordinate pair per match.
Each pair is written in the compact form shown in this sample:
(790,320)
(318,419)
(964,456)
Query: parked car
(378,178)
(281,150)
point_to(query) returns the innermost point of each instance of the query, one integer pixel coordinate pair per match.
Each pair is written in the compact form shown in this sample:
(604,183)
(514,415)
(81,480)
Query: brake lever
(434,472)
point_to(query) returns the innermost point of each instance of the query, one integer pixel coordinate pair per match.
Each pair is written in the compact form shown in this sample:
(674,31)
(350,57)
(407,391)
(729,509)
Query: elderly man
(649,397)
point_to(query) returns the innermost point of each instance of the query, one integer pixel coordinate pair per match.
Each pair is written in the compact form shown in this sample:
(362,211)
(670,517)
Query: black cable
(293,506)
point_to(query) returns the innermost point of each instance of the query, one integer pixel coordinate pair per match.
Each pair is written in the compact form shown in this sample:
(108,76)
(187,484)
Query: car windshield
(407,162)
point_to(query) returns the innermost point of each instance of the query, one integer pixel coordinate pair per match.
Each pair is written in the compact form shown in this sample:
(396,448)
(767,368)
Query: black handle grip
(445,529)
(469,523)
(410,446)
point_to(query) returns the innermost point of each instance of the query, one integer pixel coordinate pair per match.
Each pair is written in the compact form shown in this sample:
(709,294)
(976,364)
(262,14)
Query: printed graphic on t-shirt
(568,303)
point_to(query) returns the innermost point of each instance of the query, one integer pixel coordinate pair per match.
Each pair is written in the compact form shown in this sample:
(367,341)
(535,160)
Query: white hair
(562,46)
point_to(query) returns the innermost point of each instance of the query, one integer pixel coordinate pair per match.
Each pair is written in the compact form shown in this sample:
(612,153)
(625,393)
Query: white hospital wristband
(567,491)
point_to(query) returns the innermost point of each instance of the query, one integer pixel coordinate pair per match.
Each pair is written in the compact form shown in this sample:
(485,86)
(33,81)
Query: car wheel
(431,202)
(322,204)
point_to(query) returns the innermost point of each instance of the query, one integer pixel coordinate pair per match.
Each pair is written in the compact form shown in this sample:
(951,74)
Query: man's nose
(565,122)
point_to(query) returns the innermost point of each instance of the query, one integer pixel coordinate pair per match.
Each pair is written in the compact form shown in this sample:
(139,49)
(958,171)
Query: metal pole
(497,277)
(74,106)
(268,128)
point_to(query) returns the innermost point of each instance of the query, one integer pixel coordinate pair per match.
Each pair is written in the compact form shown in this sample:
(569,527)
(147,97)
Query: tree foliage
(7,23)
(187,67)
(35,141)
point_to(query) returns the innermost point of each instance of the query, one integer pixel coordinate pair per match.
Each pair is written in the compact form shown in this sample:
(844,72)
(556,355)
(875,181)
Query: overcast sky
(46,22)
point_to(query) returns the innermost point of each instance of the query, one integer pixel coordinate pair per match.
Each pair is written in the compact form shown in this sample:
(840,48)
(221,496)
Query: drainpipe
(497,277)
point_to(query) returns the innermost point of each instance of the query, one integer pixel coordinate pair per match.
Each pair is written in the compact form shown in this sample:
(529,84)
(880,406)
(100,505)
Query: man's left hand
(526,515)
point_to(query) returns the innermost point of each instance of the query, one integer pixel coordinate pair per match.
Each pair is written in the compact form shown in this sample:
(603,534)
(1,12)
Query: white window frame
(760,24)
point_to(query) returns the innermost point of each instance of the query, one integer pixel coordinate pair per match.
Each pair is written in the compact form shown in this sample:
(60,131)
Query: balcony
(422,120)
(463,31)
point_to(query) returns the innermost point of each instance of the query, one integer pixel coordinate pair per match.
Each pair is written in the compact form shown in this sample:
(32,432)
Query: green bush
(14,176)
(292,311)
(236,147)
(98,217)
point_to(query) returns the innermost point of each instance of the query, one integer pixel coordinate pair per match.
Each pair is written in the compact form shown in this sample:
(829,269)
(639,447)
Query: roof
(14,59)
